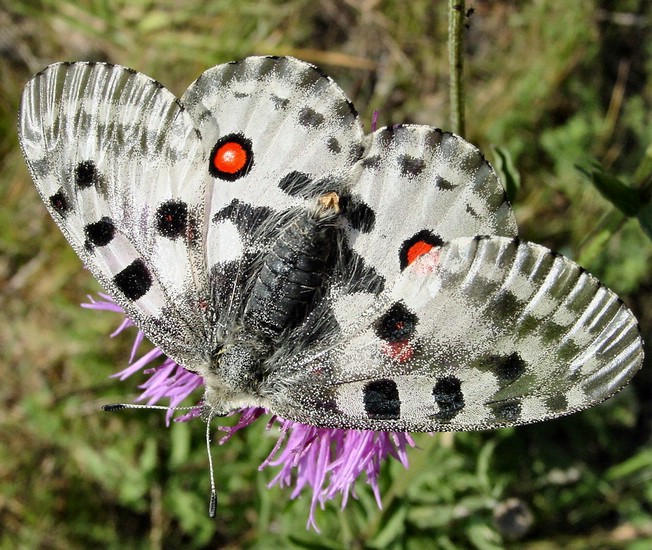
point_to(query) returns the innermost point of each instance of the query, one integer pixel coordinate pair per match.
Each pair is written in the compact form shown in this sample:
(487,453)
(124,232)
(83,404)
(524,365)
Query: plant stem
(456,17)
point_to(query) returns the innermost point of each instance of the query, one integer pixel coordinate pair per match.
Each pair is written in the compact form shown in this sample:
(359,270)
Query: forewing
(482,333)
(298,137)
(424,187)
(121,169)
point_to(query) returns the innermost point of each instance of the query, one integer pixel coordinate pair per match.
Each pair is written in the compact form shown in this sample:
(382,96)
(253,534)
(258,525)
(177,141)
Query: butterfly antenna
(212,506)
(121,406)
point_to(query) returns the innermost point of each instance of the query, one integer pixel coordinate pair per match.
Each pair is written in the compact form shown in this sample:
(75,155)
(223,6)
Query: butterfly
(256,235)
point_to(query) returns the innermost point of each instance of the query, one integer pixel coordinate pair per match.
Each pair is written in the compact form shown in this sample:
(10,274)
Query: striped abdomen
(293,272)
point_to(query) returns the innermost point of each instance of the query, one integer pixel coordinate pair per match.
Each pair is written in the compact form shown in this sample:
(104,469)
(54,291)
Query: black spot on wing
(381,400)
(527,325)
(507,368)
(444,184)
(333,145)
(361,217)
(172,219)
(295,183)
(372,162)
(60,204)
(448,396)
(398,324)
(86,174)
(245,217)
(411,166)
(557,403)
(506,305)
(472,212)
(310,118)
(99,233)
(506,411)
(134,280)
(568,351)
(280,102)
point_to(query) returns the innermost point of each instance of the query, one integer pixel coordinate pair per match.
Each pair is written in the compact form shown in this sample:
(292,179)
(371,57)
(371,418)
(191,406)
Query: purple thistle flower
(327,461)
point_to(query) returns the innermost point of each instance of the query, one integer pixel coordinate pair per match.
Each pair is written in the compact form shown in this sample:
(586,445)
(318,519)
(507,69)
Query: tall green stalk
(456,17)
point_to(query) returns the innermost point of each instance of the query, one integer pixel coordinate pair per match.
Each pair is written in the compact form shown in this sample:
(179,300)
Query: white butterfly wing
(425,187)
(414,189)
(297,119)
(278,134)
(122,170)
(482,333)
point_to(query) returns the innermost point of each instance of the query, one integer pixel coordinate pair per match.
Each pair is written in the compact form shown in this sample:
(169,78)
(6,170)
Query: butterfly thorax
(290,281)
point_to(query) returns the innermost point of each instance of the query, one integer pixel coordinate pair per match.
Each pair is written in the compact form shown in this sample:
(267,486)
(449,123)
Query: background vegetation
(553,84)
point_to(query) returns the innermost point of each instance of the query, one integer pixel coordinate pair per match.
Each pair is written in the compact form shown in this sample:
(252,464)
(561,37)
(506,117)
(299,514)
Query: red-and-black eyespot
(398,324)
(232,157)
(172,219)
(381,400)
(417,245)
(59,201)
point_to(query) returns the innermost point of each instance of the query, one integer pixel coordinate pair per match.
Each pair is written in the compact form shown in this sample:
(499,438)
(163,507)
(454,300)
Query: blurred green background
(551,85)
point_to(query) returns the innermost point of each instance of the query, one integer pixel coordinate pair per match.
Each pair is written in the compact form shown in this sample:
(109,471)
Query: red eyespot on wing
(231,158)
(418,249)
(417,245)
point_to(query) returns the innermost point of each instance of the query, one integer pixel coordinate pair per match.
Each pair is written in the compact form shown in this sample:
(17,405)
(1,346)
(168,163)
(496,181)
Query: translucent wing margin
(120,167)
(482,333)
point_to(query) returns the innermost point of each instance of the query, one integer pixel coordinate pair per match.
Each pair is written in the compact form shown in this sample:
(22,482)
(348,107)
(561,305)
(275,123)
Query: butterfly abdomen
(293,272)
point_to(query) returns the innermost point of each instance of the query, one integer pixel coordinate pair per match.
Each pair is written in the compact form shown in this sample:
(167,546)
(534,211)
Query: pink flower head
(326,461)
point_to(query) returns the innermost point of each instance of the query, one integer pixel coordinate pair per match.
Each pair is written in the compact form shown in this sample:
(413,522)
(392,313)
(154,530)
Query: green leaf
(639,462)
(484,537)
(618,193)
(393,528)
(179,444)
(631,202)
(645,218)
(507,172)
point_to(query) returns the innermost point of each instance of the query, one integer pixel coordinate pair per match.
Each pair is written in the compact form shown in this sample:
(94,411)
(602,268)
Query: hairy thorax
(288,284)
